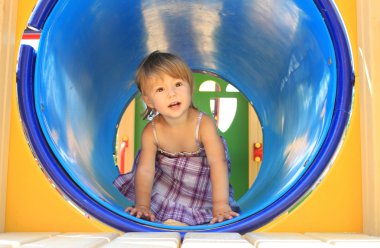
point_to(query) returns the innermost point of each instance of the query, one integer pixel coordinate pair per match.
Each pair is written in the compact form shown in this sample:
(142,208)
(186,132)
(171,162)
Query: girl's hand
(142,212)
(222,212)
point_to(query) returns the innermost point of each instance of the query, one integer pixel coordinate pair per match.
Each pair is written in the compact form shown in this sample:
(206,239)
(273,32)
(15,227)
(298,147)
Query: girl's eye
(160,89)
(178,84)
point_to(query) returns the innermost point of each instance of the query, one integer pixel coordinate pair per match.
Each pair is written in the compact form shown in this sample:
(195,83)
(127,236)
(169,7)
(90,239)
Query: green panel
(236,135)
(139,122)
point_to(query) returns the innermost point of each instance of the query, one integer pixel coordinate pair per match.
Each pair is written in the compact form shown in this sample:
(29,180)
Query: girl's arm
(218,170)
(144,176)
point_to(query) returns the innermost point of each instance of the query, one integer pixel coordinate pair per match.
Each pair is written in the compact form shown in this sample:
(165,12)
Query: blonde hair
(156,64)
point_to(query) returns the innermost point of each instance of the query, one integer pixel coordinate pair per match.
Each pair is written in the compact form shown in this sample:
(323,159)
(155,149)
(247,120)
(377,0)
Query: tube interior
(277,53)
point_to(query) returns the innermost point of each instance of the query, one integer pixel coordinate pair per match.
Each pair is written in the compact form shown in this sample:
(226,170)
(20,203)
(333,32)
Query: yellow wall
(34,205)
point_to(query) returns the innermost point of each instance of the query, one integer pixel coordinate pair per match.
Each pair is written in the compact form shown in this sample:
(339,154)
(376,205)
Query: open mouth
(174,105)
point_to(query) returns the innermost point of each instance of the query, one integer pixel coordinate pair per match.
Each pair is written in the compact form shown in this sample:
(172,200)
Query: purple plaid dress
(182,186)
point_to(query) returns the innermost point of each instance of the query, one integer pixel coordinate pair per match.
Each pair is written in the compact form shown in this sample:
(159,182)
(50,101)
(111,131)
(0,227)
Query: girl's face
(169,96)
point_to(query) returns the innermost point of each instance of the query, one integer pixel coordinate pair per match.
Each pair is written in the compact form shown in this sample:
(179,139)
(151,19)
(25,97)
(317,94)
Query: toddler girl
(181,171)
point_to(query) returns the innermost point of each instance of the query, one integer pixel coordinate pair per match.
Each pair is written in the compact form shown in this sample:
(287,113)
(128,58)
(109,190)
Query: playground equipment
(291,59)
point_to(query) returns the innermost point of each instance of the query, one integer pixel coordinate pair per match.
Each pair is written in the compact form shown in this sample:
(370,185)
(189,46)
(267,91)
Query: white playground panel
(191,240)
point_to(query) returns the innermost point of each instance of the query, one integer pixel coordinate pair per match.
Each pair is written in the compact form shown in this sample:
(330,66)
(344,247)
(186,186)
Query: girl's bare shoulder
(147,136)
(207,128)
(207,122)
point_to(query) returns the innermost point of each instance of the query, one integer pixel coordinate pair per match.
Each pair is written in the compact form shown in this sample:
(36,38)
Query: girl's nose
(171,91)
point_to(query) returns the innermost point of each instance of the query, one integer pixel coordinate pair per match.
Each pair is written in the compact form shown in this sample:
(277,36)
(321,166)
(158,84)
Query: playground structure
(246,222)
(76,95)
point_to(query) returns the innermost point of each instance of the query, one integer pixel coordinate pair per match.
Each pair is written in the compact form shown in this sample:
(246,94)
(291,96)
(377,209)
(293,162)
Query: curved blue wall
(291,60)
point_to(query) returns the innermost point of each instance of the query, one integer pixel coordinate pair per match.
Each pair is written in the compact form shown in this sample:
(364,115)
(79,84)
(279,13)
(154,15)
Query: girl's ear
(147,101)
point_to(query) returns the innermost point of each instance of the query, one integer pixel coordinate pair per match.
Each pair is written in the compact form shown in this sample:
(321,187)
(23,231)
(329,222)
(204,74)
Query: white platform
(17,239)
(191,240)
(74,240)
(140,240)
(348,240)
(284,240)
(215,240)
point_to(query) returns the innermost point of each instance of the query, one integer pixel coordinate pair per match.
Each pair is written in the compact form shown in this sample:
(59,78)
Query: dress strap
(197,129)
(155,133)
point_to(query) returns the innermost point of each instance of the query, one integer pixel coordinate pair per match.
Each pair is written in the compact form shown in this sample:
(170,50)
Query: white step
(191,240)
(74,240)
(284,240)
(16,239)
(106,236)
(349,240)
(215,240)
(147,240)
(5,246)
